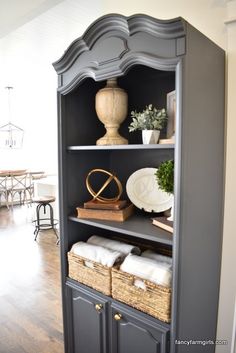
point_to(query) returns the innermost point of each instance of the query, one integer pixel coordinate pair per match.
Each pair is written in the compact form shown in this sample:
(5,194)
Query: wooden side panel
(201,178)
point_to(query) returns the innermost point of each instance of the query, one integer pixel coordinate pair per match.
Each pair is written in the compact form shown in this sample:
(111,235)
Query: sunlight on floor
(30,293)
(19,254)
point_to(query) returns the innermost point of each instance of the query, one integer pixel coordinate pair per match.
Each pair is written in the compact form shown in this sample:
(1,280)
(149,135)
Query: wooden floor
(30,295)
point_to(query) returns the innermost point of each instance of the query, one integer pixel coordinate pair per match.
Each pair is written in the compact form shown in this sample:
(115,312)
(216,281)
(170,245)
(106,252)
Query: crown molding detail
(109,48)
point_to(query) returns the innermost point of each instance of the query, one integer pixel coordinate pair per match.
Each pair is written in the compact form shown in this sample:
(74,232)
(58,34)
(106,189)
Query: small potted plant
(151,120)
(165,180)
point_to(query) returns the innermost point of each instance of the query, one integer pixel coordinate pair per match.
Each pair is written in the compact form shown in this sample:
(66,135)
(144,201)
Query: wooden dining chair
(18,186)
(4,185)
(29,189)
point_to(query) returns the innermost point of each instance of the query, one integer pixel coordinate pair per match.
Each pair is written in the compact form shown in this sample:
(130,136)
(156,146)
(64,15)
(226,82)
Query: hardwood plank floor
(30,293)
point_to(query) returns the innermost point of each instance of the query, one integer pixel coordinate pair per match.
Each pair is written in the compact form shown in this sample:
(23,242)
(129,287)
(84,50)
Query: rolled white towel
(96,253)
(156,272)
(114,245)
(154,256)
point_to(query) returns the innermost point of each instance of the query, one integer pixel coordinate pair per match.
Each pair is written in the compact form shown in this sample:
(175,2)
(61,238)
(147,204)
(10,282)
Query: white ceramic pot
(150,136)
(111,105)
(171,218)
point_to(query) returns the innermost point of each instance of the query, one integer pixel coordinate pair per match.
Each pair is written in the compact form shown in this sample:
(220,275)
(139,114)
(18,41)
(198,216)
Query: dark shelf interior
(143,85)
(138,226)
(119,161)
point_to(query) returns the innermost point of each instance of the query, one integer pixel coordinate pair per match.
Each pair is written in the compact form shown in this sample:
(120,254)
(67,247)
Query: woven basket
(97,276)
(155,300)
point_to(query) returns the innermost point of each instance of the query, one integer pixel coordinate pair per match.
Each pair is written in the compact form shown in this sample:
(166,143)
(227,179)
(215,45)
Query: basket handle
(87,263)
(139,283)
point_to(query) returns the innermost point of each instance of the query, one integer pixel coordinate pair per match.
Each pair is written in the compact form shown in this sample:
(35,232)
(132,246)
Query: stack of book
(114,211)
(162,222)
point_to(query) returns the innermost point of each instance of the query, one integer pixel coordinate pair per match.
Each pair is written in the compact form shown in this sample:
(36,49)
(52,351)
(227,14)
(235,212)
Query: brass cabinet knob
(117,317)
(98,307)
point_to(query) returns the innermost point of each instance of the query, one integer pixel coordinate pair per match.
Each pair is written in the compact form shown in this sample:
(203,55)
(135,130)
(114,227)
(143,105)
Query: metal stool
(44,223)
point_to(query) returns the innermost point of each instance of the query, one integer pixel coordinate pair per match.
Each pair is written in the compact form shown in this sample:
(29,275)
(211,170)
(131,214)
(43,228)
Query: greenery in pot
(165,176)
(150,118)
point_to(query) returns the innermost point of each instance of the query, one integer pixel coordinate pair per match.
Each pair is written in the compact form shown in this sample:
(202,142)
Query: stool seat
(44,202)
(44,199)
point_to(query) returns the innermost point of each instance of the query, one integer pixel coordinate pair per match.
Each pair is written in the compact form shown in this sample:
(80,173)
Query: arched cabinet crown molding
(115,43)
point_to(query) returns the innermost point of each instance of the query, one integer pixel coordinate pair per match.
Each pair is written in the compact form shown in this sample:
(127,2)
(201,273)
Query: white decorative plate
(143,191)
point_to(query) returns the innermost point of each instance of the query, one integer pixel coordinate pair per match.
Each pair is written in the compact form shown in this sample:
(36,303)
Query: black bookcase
(150,58)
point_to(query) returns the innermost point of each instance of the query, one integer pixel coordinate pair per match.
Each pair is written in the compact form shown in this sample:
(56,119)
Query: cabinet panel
(133,332)
(89,323)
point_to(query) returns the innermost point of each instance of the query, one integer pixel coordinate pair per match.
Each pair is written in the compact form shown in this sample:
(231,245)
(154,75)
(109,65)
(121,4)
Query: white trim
(230,21)
(233,343)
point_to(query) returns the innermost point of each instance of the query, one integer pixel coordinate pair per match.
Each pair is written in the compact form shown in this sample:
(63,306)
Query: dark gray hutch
(150,58)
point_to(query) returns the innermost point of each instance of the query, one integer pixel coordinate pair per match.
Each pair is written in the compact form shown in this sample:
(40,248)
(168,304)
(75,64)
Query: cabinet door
(89,313)
(135,332)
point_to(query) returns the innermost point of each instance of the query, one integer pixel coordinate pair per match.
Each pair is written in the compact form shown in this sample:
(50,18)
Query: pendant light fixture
(11,136)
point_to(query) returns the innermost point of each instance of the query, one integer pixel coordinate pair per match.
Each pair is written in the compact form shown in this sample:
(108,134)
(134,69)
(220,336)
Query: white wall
(205,15)
(228,281)
(26,57)
(15,13)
